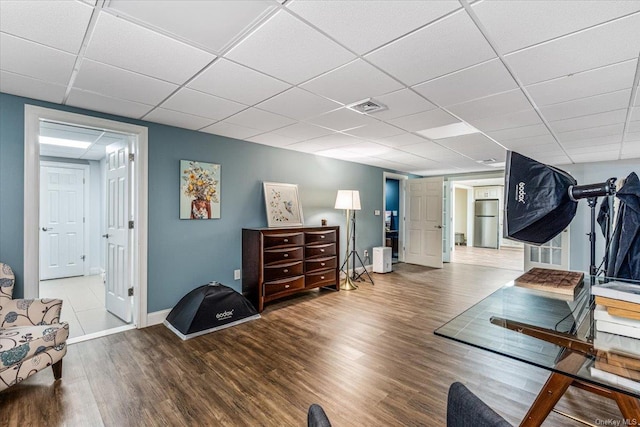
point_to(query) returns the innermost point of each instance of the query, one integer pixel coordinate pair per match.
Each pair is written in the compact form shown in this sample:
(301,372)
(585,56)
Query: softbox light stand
(353,254)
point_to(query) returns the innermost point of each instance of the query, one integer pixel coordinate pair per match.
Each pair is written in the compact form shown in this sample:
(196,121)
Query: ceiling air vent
(367,106)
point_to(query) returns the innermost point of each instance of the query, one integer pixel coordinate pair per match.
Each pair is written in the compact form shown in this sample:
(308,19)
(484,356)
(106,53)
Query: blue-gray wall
(184,254)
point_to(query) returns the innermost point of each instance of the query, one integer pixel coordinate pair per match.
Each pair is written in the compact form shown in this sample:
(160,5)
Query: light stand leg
(347,284)
(355,254)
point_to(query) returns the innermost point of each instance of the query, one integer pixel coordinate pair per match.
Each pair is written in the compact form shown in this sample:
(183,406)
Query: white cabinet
(488,192)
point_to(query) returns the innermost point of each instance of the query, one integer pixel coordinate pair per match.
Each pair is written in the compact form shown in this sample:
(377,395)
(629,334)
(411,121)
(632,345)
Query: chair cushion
(21,342)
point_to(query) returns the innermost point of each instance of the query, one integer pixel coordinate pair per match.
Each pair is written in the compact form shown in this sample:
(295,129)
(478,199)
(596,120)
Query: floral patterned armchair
(31,334)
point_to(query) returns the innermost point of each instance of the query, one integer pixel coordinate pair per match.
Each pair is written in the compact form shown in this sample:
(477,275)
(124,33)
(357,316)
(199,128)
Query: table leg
(629,407)
(551,392)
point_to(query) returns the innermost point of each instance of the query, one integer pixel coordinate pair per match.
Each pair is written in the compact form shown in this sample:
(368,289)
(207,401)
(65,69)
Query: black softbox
(537,202)
(209,308)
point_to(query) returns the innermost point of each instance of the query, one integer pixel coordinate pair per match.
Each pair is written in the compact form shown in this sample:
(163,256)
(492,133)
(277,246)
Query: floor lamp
(349,200)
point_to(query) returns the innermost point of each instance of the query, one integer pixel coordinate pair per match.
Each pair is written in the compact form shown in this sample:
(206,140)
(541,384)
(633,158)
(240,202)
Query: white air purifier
(382,259)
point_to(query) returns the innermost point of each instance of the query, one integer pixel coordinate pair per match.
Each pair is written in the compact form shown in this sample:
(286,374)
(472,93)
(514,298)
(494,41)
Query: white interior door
(424,222)
(554,254)
(118,300)
(61,222)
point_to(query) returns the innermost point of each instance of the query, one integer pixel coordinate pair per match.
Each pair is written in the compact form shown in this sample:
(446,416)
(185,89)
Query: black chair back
(465,409)
(316,417)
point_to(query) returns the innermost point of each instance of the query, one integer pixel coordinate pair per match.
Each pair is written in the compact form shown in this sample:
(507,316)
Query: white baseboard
(157,317)
(95,271)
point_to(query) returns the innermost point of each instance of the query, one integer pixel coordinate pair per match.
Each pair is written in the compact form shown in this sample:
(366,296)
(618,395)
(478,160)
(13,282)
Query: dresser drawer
(312,237)
(320,278)
(277,256)
(318,264)
(320,250)
(279,271)
(283,240)
(283,285)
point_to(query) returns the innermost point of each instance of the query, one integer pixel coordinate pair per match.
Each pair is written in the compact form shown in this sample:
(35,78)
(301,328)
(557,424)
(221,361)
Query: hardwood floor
(369,357)
(505,257)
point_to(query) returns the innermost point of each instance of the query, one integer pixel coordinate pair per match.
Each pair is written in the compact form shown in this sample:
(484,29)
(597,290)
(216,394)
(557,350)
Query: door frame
(85,206)
(32,117)
(401,205)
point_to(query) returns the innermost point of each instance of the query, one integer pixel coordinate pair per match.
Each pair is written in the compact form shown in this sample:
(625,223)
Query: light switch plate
(376,212)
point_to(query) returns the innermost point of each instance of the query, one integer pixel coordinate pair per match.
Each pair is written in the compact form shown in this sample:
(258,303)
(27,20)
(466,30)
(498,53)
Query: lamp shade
(348,199)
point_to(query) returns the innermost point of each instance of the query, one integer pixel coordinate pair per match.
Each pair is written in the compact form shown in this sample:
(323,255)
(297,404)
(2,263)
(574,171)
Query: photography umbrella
(624,261)
(538,205)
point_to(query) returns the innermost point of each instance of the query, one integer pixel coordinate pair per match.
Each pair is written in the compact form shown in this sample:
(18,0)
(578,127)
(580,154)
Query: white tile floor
(83,304)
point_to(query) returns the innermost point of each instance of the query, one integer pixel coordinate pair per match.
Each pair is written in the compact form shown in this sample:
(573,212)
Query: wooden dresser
(277,262)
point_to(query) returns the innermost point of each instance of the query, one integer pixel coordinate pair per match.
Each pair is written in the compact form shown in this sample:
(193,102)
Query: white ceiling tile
(448,45)
(514,25)
(298,104)
(60,25)
(607,44)
(593,149)
(401,140)
(592,120)
(175,118)
(634,127)
(494,105)
(211,24)
(35,60)
(275,49)
(596,132)
(200,104)
(531,141)
(96,102)
(475,82)
(601,156)
(612,138)
(307,146)
(353,82)
(635,136)
(559,159)
(259,119)
(402,103)
(593,82)
(476,146)
(363,26)
(521,132)
(636,103)
(375,131)
(409,159)
(341,119)
(342,154)
(272,139)
(635,114)
(506,121)
(336,140)
(369,148)
(118,83)
(630,151)
(126,45)
(431,151)
(231,130)
(589,105)
(425,120)
(237,83)
(302,131)
(16,84)
(67,152)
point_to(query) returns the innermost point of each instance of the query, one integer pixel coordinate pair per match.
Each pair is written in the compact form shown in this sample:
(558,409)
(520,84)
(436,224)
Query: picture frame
(199,190)
(282,203)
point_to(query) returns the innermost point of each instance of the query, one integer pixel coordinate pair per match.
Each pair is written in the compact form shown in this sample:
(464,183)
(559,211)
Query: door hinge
(82,257)
(130,291)
(132,157)
(130,225)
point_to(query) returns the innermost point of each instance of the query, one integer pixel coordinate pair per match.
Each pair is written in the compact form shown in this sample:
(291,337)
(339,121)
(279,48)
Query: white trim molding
(33,116)
(157,317)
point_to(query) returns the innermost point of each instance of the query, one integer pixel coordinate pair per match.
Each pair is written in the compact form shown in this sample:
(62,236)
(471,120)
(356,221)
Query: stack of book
(617,340)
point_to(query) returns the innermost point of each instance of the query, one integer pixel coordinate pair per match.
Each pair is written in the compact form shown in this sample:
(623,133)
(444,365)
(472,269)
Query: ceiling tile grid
(552,79)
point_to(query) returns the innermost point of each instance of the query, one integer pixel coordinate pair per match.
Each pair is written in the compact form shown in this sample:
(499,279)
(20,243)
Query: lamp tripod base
(348,285)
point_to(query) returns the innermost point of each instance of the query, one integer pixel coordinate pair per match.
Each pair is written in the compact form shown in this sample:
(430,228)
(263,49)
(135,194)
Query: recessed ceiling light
(63,142)
(448,131)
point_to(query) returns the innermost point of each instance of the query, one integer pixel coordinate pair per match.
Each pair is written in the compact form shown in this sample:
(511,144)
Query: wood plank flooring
(368,356)
(505,257)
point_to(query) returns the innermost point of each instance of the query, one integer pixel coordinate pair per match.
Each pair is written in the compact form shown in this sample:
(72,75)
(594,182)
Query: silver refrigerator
(485,231)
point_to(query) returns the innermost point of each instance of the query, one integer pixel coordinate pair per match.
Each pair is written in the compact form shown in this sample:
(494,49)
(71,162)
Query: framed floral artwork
(199,190)
(283,205)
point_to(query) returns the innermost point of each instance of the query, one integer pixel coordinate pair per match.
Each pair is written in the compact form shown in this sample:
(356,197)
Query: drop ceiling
(554,80)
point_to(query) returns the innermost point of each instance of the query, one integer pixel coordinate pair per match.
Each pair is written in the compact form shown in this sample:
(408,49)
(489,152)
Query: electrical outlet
(366,253)
(236,275)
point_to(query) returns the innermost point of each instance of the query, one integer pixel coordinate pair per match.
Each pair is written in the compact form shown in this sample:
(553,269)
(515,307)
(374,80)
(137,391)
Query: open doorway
(477,210)
(86,242)
(393,211)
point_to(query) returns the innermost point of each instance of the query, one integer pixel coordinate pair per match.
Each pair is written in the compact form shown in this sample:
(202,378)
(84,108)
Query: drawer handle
(321,277)
(286,255)
(286,240)
(286,270)
(322,237)
(321,250)
(322,264)
(287,286)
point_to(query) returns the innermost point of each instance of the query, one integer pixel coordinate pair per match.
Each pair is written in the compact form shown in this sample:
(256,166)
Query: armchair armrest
(26,312)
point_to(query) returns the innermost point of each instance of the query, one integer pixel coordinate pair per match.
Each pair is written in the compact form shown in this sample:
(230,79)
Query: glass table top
(503,322)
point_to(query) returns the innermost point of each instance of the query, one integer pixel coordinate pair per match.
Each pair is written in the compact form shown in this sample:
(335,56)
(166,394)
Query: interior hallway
(509,258)
(83,304)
